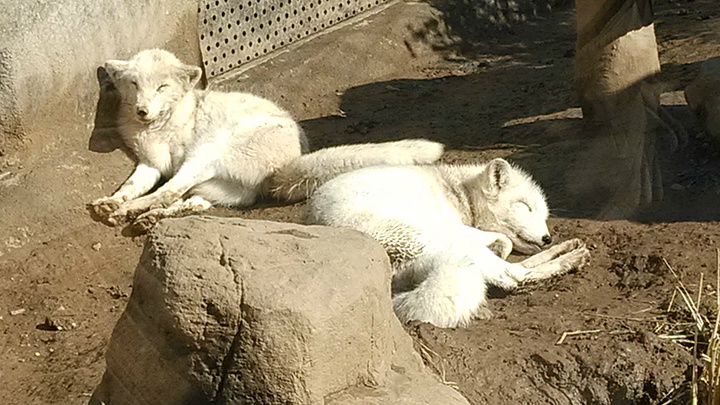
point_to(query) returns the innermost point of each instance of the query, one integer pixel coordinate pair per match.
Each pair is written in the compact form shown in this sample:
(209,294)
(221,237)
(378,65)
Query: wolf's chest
(167,155)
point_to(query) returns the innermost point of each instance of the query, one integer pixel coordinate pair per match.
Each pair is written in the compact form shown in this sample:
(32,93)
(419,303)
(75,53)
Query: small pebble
(15,312)
(677,187)
(96,246)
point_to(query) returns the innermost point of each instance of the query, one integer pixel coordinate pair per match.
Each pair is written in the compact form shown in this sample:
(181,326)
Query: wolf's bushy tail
(297,180)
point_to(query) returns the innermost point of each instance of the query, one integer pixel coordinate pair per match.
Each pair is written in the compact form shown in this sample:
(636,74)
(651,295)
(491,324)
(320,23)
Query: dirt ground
(500,93)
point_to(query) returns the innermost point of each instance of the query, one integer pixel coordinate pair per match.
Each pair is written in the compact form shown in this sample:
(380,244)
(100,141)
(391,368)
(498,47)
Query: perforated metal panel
(233,32)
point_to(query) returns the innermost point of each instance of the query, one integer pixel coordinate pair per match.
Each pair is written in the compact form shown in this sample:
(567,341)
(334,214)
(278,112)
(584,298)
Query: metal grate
(235,32)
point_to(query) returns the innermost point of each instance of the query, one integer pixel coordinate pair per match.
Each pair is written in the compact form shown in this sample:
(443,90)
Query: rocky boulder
(231,311)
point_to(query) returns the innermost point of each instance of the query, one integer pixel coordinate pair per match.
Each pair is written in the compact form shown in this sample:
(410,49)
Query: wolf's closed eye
(522,205)
(162,87)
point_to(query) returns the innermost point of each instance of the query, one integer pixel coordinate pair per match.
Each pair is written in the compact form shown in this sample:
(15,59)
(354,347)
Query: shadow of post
(105,137)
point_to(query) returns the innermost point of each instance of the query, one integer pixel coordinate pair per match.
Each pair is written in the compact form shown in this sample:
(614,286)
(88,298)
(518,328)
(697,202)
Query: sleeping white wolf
(448,230)
(216,147)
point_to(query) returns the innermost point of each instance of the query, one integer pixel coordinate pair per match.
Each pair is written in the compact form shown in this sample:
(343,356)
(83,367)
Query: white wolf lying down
(217,148)
(448,230)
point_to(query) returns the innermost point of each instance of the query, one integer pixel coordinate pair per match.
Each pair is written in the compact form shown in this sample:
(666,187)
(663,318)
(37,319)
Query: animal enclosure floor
(497,94)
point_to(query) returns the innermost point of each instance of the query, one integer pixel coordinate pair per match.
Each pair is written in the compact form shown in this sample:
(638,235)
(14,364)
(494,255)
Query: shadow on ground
(513,97)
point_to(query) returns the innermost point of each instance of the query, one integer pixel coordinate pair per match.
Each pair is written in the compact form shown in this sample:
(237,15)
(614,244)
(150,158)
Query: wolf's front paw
(144,222)
(582,257)
(502,246)
(566,247)
(570,245)
(117,217)
(575,259)
(103,207)
(131,210)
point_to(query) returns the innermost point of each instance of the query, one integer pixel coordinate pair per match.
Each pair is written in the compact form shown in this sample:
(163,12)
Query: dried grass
(432,359)
(705,385)
(709,383)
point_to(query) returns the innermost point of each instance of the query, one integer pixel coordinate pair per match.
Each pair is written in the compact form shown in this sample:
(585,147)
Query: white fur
(439,224)
(298,179)
(215,147)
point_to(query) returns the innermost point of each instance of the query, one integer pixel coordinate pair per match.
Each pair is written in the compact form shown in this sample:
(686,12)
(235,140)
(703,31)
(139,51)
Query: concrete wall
(49,54)
(50,49)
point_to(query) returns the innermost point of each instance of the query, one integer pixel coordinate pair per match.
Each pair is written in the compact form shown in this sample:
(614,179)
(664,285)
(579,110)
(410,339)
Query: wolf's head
(516,206)
(151,83)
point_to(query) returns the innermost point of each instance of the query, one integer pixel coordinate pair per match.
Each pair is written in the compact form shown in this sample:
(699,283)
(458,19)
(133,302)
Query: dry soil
(504,92)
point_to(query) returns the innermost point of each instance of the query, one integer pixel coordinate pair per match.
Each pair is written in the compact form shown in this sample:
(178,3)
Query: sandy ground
(498,93)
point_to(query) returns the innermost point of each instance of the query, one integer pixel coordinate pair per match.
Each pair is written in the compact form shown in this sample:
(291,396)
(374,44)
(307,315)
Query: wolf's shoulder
(239,102)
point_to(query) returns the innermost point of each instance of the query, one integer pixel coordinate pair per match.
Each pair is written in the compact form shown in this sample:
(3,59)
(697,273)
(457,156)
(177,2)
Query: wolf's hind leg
(451,295)
(226,193)
(400,240)
(404,248)
(192,205)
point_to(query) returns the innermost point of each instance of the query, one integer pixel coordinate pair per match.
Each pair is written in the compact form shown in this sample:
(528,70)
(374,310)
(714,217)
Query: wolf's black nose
(547,239)
(142,112)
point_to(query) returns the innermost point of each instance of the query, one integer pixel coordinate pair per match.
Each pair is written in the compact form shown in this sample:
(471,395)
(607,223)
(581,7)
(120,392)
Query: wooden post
(616,54)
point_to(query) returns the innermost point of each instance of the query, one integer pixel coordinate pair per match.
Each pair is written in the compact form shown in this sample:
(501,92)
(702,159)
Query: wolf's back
(297,180)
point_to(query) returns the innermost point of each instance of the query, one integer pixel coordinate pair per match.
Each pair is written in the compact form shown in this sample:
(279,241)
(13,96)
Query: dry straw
(710,378)
(707,384)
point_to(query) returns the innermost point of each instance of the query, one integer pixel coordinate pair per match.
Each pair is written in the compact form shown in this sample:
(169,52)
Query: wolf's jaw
(141,121)
(526,246)
(527,249)
(154,124)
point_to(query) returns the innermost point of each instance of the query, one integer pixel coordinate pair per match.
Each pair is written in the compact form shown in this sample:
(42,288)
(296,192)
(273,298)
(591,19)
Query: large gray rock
(230,311)
(703,97)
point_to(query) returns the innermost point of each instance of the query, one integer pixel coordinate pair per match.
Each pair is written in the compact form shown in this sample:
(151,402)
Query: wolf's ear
(193,74)
(496,177)
(115,67)
(104,79)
